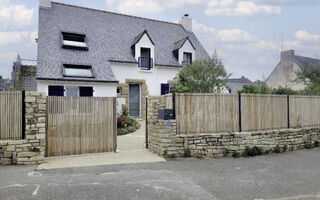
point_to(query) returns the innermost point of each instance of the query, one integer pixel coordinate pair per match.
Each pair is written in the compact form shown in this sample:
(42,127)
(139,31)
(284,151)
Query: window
(74,41)
(145,62)
(119,90)
(72,91)
(187,59)
(86,91)
(56,90)
(165,88)
(81,71)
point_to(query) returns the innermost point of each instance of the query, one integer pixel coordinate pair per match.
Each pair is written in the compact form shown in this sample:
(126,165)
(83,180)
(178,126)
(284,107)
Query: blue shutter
(165,89)
(56,90)
(86,91)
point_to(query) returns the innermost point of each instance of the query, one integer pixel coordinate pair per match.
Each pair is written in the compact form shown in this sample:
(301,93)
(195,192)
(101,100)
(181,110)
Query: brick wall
(30,150)
(163,138)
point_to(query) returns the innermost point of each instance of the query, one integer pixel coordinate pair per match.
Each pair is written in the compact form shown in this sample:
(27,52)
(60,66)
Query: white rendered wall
(144,43)
(187,48)
(99,89)
(154,77)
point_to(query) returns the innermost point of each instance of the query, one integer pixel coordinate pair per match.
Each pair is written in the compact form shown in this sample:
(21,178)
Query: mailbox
(165,114)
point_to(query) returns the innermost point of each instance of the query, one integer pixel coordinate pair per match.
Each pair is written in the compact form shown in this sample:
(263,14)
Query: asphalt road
(292,174)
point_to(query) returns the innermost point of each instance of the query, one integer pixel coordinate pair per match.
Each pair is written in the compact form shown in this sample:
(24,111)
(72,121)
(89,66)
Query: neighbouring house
(285,73)
(89,52)
(24,74)
(236,84)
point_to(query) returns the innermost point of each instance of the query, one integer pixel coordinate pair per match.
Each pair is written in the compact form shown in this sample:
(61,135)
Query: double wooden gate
(78,125)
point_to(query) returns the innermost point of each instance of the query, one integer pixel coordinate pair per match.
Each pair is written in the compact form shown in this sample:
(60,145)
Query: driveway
(131,149)
(291,175)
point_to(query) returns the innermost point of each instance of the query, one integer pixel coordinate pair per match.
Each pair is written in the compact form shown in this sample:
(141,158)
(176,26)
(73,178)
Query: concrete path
(131,150)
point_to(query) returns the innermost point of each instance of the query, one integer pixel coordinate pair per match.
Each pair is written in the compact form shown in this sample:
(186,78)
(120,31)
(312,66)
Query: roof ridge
(126,15)
(142,32)
(181,39)
(307,57)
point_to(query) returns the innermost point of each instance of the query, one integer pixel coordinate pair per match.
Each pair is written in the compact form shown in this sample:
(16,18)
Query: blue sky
(245,33)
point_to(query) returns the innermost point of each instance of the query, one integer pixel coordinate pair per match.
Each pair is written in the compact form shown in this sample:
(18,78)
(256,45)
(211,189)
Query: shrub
(277,149)
(226,152)
(187,153)
(236,154)
(285,147)
(316,144)
(267,151)
(254,151)
(171,155)
(308,145)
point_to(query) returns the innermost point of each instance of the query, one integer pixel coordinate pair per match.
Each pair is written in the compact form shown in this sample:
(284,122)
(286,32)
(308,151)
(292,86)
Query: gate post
(23,95)
(115,131)
(240,125)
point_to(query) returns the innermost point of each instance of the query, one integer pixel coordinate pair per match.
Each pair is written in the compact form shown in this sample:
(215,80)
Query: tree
(205,76)
(310,76)
(285,90)
(259,88)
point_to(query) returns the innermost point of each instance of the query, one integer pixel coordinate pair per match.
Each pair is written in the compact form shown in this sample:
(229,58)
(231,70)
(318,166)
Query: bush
(254,151)
(236,154)
(285,147)
(316,144)
(187,153)
(172,155)
(226,152)
(308,145)
(277,149)
(125,124)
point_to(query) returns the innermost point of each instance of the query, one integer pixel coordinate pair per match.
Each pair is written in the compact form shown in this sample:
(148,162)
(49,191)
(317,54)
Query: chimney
(186,22)
(45,3)
(287,55)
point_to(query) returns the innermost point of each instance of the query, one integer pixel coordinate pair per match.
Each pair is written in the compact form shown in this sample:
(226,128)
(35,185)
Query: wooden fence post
(240,127)
(288,110)
(115,132)
(23,128)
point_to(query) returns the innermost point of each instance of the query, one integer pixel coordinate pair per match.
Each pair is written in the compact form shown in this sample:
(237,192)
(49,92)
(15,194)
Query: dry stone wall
(164,140)
(30,150)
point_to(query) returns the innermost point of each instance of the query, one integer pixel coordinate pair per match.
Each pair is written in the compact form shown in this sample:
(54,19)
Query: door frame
(140,109)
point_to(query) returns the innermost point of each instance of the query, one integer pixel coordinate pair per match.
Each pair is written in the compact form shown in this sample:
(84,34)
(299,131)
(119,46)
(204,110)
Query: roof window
(74,41)
(81,71)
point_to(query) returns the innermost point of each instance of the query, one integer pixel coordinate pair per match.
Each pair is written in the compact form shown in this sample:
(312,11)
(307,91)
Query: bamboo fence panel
(304,111)
(79,125)
(261,112)
(11,115)
(207,113)
(168,101)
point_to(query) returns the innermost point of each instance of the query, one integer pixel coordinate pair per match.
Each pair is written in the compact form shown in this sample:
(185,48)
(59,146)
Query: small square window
(81,71)
(74,41)
(119,90)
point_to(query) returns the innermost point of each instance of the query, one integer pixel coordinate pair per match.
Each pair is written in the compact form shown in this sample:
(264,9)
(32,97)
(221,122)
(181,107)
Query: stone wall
(163,138)
(31,149)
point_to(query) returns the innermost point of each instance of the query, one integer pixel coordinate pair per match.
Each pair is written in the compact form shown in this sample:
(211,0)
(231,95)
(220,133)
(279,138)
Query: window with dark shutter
(86,91)
(74,41)
(165,89)
(56,90)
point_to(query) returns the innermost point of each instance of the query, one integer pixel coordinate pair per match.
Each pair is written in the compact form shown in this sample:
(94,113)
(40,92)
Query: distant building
(4,84)
(285,73)
(236,84)
(24,75)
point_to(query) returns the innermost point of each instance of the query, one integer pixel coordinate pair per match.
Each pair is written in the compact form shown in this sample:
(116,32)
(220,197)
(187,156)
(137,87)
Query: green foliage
(125,124)
(226,152)
(308,145)
(316,144)
(187,153)
(285,147)
(310,76)
(262,88)
(254,151)
(204,76)
(284,91)
(236,154)
(277,149)
(171,155)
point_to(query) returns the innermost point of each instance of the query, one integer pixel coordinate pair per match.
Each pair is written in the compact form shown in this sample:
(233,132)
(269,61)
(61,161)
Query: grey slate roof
(237,83)
(139,36)
(178,44)
(109,37)
(305,62)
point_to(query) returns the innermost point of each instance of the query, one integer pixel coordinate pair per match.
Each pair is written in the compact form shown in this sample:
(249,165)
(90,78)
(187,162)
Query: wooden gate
(11,115)
(78,125)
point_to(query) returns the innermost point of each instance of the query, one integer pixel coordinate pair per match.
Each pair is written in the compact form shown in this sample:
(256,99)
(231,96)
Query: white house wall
(186,48)
(153,78)
(99,89)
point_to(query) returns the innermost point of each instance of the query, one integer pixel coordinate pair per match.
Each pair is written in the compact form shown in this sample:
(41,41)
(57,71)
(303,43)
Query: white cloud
(13,37)
(235,35)
(181,3)
(240,8)
(12,15)
(7,56)
(304,35)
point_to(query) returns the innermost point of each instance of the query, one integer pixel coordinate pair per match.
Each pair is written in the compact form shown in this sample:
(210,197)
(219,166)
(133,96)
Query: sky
(248,35)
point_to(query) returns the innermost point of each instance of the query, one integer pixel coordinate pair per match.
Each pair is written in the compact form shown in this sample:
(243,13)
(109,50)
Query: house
(24,74)
(89,52)
(285,73)
(236,84)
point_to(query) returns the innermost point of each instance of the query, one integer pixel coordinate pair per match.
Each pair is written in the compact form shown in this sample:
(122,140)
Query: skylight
(74,41)
(81,71)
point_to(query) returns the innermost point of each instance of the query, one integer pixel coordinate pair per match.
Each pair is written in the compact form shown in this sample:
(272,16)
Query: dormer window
(187,59)
(80,71)
(145,60)
(74,41)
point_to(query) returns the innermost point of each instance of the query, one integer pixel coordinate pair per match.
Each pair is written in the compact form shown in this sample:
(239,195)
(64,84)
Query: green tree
(258,88)
(205,76)
(310,76)
(284,90)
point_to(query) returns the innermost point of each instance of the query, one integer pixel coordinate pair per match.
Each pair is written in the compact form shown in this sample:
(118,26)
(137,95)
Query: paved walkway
(131,150)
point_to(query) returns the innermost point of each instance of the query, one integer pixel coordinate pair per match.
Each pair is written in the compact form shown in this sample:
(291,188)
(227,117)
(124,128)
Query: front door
(134,100)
